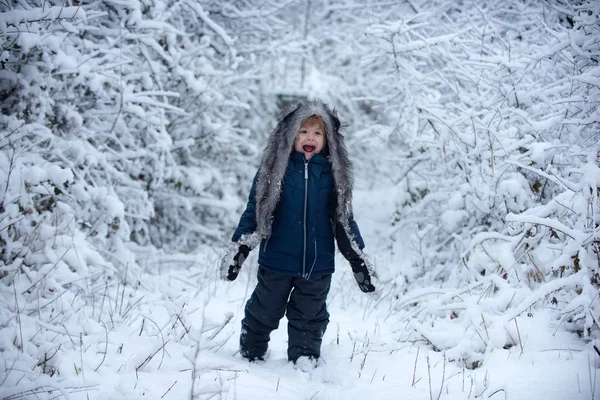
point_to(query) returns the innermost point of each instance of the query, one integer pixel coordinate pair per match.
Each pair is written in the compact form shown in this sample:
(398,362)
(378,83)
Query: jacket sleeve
(247,224)
(356,232)
(350,252)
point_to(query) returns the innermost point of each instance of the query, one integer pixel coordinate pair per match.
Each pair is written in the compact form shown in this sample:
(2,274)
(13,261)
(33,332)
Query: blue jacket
(304,221)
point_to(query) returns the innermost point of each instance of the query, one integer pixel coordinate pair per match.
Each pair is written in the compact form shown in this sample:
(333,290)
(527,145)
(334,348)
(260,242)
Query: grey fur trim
(366,260)
(277,153)
(251,240)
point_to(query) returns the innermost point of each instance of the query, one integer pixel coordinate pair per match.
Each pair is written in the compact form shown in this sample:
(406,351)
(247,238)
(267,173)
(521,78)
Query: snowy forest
(131,131)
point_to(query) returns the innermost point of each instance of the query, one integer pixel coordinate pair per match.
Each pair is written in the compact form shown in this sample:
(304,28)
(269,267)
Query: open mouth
(308,148)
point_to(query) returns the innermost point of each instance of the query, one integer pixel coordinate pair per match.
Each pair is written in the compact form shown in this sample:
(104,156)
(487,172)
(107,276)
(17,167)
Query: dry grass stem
(485,327)
(415,369)
(429,377)
(373,377)
(443,377)
(519,335)
(81,355)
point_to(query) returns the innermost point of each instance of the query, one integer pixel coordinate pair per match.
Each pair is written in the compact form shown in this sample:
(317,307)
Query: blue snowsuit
(296,261)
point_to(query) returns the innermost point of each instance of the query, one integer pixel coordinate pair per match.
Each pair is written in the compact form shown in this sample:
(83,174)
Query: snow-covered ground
(182,334)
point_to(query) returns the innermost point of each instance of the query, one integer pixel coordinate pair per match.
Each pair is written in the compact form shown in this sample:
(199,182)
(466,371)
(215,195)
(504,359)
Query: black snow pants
(303,302)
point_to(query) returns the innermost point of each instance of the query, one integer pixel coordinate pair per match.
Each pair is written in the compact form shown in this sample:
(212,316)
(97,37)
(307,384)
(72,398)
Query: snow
(361,356)
(129,136)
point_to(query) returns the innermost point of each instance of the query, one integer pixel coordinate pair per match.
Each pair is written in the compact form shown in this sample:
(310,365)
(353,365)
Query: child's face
(311,138)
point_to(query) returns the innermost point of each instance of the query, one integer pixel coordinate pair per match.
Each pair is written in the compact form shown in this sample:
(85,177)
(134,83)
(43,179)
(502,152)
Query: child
(301,199)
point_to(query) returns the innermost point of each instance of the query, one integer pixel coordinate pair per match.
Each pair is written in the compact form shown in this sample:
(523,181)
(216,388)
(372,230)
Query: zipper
(304,225)
(314,262)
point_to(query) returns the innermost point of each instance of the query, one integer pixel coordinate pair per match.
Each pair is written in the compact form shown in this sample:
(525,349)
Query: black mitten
(238,260)
(362,276)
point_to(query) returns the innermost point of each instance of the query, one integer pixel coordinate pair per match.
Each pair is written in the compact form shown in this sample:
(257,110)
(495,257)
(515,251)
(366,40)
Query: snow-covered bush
(119,134)
(498,174)
(140,104)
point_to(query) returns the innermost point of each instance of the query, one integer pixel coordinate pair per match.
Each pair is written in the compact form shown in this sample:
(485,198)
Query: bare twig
(8,371)
(103,298)
(142,327)
(105,347)
(514,342)
(48,390)
(228,318)
(196,354)
(11,166)
(364,361)
(160,348)
(8,135)
(497,391)
(149,358)
(123,290)
(49,270)
(168,390)
(131,306)
(478,334)
(18,315)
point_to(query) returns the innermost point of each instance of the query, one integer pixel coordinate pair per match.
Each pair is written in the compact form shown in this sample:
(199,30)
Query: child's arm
(242,240)
(351,245)
(247,224)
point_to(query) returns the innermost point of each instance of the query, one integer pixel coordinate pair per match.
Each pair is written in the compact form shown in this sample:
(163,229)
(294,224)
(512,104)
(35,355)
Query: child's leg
(263,311)
(307,317)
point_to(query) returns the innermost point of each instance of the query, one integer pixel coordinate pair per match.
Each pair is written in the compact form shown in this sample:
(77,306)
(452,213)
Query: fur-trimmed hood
(277,153)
